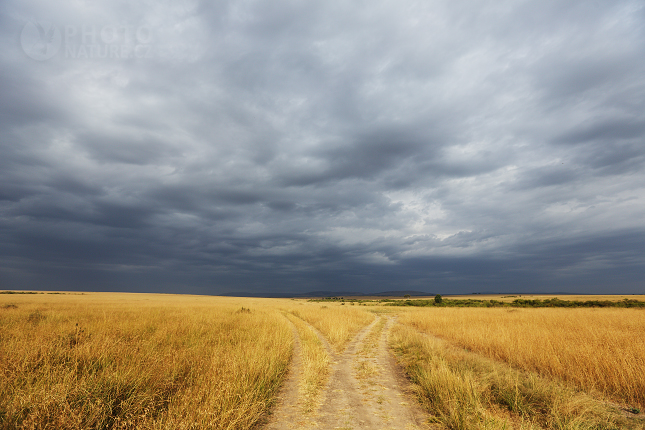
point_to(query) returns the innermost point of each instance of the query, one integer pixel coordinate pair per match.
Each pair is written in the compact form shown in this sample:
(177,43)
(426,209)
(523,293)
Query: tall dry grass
(366,370)
(339,324)
(594,349)
(315,364)
(135,361)
(464,391)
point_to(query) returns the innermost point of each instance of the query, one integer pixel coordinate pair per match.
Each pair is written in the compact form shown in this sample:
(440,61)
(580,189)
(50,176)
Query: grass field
(581,297)
(125,361)
(315,364)
(339,324)
(464,390)
(593,349)
(139,361)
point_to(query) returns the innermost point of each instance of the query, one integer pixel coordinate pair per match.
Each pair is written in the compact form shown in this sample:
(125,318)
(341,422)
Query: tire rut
(352,399)
(343,406)
(391,391)
(287,414)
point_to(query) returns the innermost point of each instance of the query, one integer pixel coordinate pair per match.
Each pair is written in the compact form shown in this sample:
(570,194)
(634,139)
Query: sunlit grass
(315,364)
(365,368)
(137,361)
(464,390)
(594,349)
(126,361)
(339,324)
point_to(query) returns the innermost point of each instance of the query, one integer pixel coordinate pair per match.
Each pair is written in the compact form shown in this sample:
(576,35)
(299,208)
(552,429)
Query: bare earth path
(365,389)
(287,413)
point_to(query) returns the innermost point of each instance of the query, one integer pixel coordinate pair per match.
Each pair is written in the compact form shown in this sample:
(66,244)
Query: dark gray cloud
(295,146)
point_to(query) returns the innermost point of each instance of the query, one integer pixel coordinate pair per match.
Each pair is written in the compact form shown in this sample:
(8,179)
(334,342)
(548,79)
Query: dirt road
(365,389)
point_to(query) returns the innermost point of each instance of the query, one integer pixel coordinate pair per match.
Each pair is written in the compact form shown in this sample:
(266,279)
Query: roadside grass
(365,368)
(315,364)
(581,297)
(597,350)
(139,361)
(371,341)
(463,391)
(126,361)
(339,324)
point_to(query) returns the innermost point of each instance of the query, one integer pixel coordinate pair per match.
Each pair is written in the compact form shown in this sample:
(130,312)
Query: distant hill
(401,293)
(392,293)
(329,294)
(526,293)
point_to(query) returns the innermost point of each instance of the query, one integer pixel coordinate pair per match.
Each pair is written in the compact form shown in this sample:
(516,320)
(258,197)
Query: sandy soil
(365,390)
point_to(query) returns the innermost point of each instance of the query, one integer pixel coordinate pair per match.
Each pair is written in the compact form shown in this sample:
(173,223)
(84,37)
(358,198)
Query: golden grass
(365,368)
(594,349)
(567,297)
(138,361)
(315,364)
(339,324)
(464,390)
(371,341)
(146,361)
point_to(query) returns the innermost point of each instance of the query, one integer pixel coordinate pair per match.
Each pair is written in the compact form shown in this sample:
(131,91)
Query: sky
(290,146)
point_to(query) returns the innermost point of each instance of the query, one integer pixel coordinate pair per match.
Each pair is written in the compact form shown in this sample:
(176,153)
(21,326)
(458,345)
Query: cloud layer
(292,146)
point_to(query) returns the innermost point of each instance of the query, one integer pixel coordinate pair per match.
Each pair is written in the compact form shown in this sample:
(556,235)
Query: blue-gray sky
(288,146)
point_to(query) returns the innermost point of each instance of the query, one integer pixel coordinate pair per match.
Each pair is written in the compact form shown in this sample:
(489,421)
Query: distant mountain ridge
(392,293)
(329,294)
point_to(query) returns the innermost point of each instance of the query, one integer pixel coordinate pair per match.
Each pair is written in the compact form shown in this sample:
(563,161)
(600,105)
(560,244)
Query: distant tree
(407,296)
(438,299)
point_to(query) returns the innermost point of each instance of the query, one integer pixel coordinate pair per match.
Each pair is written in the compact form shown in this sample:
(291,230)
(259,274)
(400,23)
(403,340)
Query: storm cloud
(291,146)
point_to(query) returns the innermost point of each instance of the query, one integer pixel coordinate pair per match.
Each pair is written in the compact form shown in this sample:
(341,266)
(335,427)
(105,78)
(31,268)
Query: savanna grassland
(526,368)
(126,361)
(113,361)
(337,323)
(599,350)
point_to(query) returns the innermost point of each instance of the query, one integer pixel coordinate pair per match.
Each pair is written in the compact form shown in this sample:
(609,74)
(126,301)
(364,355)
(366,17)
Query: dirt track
(365,389)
